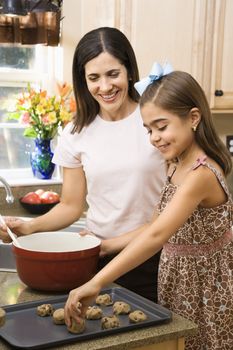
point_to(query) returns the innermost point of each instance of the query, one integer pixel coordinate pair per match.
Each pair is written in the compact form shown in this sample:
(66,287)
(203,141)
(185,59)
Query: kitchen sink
(7,260)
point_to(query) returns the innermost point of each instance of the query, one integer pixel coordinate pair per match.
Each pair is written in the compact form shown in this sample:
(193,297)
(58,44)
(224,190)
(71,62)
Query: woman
(105,154)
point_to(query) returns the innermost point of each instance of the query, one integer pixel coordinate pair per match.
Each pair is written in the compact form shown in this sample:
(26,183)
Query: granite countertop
(14,291)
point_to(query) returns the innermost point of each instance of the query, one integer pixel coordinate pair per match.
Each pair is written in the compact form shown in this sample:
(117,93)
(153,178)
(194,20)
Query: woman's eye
(149,131)
(114,75)
(93,78)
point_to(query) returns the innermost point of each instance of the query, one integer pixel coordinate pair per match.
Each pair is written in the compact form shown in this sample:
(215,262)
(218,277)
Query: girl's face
(172,135)
(107,82)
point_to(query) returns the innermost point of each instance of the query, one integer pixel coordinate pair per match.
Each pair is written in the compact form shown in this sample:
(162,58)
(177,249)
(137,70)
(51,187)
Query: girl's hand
(18,226)
(85,295)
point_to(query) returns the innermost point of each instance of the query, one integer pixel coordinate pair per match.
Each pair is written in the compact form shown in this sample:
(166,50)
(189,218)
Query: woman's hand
(85,295)
(103,250)
(18,226)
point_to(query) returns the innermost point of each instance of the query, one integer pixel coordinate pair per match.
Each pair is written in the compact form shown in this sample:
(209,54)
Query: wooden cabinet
(163,31)
(222,57)
(195,36)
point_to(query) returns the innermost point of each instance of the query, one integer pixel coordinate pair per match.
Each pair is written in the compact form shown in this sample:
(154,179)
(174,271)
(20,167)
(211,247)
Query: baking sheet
(26,330)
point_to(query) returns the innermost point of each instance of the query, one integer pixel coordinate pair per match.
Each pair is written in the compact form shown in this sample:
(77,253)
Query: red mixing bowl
(56,261)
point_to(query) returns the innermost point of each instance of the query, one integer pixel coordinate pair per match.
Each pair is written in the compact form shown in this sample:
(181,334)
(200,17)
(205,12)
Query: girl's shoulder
(203,162)
(211,174)
(204,179)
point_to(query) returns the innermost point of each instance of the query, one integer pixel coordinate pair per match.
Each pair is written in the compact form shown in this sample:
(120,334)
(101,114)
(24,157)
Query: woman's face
(172,135)
(107,82)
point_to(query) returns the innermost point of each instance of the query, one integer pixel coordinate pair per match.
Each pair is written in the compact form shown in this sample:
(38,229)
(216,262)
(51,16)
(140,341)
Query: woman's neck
(119,114)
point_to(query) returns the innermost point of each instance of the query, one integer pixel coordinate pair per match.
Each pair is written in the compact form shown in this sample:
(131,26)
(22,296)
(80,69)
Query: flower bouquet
(43,116)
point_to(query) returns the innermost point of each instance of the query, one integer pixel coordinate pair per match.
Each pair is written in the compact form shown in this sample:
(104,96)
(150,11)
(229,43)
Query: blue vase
(41,159)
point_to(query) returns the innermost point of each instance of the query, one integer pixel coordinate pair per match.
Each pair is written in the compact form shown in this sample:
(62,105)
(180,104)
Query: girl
(194,216)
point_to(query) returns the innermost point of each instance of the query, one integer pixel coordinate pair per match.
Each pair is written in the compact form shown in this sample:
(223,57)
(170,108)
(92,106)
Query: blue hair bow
(156,73)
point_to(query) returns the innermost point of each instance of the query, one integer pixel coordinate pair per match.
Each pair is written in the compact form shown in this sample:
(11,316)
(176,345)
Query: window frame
(49,57)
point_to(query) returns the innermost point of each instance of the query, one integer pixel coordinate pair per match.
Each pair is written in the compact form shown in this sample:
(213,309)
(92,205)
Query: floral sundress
(196,270)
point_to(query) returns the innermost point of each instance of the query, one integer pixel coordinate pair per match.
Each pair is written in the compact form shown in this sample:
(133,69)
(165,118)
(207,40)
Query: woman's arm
(69,209)
(116,244)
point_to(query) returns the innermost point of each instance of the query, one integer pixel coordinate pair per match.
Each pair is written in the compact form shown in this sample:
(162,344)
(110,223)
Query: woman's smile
(109,97)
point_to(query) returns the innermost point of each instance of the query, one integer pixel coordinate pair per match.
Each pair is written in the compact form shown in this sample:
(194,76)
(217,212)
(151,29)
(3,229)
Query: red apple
(50,197)
(32,198)
(39,192)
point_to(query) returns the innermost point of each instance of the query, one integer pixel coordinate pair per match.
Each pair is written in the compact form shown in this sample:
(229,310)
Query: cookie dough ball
(121,308)
(59,316)
(2,317)
(45,310)
(94,313)
(104,299)
(77,328)
(79,305)
(108,322)
(137,316)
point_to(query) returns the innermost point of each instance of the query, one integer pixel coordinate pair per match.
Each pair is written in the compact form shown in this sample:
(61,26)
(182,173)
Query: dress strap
(202,160)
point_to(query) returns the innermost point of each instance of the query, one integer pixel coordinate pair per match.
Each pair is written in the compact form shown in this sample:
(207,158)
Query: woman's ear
(195,117)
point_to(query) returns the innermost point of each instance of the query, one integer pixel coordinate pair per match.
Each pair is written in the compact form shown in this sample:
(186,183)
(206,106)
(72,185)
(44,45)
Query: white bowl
(58,241)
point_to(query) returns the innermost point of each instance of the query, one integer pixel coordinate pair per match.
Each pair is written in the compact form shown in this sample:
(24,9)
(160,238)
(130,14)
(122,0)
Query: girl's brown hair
(178,92)
(104,39)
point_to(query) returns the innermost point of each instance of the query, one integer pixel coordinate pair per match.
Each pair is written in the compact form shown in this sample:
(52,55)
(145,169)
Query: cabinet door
(177,31)
(222,71)
(163,30)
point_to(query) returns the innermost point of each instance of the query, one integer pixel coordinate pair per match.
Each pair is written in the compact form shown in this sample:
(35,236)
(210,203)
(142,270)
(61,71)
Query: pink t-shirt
(124,172)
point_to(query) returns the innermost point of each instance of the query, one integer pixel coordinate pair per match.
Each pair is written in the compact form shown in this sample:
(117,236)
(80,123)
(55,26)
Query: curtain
(35,28)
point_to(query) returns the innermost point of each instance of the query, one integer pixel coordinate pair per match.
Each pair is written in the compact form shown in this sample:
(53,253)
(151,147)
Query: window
(20,65)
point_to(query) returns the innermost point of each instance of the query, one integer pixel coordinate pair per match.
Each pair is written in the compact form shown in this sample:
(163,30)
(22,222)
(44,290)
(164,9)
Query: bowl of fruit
(40,201)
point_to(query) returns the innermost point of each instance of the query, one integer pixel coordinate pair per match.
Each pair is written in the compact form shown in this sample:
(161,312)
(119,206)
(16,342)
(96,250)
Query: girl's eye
(149,131)
(161,128)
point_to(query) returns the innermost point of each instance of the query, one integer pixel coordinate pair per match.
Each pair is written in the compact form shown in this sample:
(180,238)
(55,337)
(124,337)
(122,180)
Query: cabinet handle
(218,93)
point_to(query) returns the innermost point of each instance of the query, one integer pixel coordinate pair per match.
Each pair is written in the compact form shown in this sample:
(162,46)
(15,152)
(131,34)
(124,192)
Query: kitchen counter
(169,336)
(15,209)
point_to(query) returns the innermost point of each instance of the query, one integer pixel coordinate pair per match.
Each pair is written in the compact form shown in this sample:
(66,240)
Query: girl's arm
(69,209)
(200,185)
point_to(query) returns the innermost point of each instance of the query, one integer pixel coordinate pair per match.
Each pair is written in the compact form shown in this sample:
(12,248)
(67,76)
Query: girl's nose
(154,137)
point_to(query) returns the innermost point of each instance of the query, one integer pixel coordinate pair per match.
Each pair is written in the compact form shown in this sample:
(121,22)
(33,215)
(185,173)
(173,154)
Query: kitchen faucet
(9,195)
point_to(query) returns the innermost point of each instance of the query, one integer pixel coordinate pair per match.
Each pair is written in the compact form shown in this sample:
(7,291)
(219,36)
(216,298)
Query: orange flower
(64,89)
(72,105)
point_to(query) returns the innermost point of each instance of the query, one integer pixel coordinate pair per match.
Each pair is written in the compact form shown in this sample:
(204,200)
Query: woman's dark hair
(178,92)
(104,39)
